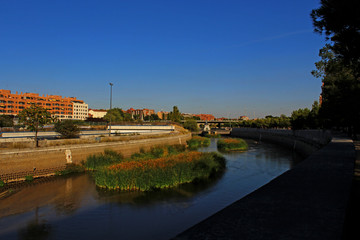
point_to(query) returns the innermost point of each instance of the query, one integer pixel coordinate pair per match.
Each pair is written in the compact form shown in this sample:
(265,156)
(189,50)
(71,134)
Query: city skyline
(227,59)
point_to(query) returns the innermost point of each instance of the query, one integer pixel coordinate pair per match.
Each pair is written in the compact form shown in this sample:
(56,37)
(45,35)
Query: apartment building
(140,112)
(61,107)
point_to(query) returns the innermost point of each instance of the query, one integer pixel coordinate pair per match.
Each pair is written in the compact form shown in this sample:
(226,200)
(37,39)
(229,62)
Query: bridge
(213,122)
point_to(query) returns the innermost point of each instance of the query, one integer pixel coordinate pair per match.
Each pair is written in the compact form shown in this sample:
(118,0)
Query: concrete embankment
(304,142)
(16,164)
(306,202)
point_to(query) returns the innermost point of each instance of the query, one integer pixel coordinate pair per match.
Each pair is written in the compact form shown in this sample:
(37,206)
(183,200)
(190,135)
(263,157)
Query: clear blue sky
(228,58)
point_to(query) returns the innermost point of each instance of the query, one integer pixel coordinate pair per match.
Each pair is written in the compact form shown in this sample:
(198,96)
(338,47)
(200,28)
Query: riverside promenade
(306,202)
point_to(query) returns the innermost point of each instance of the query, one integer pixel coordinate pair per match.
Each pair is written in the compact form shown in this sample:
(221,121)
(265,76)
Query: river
(73,208)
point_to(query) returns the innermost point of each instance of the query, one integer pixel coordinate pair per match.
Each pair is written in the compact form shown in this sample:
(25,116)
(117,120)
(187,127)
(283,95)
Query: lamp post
(111,84)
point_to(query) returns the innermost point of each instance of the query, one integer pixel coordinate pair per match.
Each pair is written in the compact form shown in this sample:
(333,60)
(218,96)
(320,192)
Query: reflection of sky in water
(72,208)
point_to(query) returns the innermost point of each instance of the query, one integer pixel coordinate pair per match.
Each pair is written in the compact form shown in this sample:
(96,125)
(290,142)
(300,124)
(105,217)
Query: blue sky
(228,58)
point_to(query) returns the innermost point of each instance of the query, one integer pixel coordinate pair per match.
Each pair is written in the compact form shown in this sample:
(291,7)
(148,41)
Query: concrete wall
(304,142)
(17,164)
(307,202)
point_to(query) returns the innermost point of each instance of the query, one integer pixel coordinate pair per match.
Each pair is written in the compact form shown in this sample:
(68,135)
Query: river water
(73,208)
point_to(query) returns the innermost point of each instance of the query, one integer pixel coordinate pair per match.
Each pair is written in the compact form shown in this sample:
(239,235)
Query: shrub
(232,144)
(67,129)
(2,183)
(70,169)
(191,125)
(29,178)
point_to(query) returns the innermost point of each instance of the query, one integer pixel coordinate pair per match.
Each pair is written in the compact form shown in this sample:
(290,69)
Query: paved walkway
(307,202)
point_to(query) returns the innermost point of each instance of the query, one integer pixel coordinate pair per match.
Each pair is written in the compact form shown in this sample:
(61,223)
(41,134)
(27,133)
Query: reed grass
(164,172)
(96,161)
(232,144)
(196,142)
(70,168)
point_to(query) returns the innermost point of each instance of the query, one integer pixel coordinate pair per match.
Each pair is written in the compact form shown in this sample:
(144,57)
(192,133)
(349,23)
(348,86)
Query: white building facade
(80,111)
(97,113)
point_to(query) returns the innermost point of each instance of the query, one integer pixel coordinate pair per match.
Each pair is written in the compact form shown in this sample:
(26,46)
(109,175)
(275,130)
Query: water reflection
(65,194)
(73,208)
(36,229)
(145,199)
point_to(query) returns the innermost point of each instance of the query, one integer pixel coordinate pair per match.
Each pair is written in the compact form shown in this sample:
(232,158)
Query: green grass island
(161,167)
(232,144)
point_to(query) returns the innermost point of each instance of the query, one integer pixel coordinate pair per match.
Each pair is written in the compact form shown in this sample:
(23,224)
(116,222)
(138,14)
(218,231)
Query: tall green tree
(339,67)
(340,92)
(306,118)
(152,117)
(175,115)
(117,115)
(191,125)
(339,20)
(34,118)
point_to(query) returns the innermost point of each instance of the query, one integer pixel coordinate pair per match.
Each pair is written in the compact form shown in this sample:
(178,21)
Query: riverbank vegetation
(232,144)
(163,172)
(71,168)
(160,167)
(196,142)
(2,183)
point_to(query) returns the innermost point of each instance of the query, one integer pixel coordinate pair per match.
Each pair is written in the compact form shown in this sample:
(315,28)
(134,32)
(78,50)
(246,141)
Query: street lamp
(111,84)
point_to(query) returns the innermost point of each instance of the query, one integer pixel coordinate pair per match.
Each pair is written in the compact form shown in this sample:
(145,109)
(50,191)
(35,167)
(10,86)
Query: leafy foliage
(67,129)
(175,115)
(6,121)
(339,67)
(29,178)
(305,118)
(340,91)
(71,168)
(34,118)
(268,122)
(339,20)
(191,125)
(2,183)
(117,115)
(152,117)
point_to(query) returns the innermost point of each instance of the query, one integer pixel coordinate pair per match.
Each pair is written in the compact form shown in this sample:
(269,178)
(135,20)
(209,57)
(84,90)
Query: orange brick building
(140,112)
(206,117)
(61,107)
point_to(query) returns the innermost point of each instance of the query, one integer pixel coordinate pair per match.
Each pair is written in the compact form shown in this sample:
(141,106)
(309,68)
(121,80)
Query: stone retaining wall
(306,202)
(16,164)
(304,142)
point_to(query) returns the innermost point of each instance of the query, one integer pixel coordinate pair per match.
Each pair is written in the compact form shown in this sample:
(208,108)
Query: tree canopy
(191,125)
(340,91)
(175,115)
(6,121)
(306,118)
(117,115)
(339,20)
(34,118)
(339,67)
(152,117)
